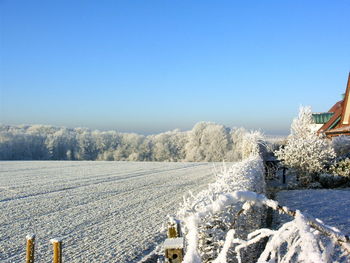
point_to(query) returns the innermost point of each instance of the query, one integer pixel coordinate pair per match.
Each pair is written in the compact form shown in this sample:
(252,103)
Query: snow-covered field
(103,211)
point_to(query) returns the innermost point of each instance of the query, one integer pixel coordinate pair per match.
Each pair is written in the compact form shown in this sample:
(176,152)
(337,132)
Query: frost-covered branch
(300,240)
(335,234)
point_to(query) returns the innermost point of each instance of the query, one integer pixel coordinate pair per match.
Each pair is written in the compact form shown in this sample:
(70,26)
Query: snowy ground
(331,206)
(104,211)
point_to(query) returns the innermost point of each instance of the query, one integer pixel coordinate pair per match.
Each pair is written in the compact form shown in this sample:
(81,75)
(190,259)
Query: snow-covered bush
(207,217)
(331,180)
(252,144)
(341,168)
(341,145)
(305,150)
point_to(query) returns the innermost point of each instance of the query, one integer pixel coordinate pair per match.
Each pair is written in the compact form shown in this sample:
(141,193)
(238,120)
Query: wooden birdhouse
(174,249)
(174,244)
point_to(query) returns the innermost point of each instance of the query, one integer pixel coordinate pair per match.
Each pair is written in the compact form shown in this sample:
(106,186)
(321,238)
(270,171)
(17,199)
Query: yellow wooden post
(30,248)
(57,250)
(173,228)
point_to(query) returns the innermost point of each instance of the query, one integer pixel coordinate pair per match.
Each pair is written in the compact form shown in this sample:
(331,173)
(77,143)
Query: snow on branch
(303,237)
(300,240)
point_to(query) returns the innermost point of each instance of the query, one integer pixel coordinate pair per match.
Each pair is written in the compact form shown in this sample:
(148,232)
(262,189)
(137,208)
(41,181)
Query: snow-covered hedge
(207,217)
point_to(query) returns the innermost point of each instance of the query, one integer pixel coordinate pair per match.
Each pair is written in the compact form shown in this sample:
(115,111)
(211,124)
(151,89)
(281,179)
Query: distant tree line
(205,142)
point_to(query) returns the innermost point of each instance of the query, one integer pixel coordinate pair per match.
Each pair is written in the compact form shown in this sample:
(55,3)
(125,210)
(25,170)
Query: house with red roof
(336,121)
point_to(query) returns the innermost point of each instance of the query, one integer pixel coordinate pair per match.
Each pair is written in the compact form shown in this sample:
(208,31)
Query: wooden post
(57,250)
(284,175)
(30,248)
(173,228)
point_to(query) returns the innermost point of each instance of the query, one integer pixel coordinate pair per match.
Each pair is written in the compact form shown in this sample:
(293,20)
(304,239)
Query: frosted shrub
(341,168)
(251,143)
(306,155)
(244,143)
(341,145)
(305,151)
(331,180)
(208,216)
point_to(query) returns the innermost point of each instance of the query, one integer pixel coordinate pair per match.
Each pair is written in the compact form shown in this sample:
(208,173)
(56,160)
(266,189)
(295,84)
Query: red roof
(336,106)
(335,126)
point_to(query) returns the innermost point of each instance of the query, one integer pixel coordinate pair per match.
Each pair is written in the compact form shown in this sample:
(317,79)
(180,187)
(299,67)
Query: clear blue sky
(151,66)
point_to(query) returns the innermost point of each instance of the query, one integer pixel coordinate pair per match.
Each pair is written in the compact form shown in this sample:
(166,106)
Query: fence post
(173,228)
(30,248)
(284,175)
(57,250)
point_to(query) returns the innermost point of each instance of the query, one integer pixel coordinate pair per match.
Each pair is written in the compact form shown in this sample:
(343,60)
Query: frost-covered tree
(22,143)
(207,142)
(215,141)
(236,138)
(193,147)
(168,146)
(145,150)
(87,146)
(61,145)
(128,149)
(106,143)
(305,151)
